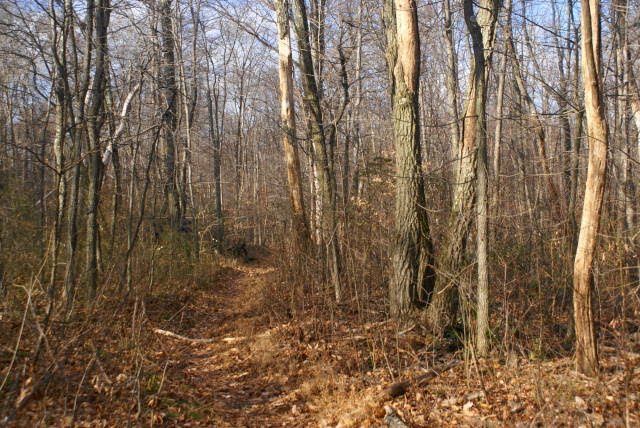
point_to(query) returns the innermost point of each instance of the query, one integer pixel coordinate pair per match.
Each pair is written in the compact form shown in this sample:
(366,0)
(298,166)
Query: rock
(392,419)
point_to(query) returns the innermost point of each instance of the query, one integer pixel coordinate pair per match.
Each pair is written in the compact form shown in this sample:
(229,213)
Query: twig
(400,388)
(84,376)
(15,351)
(180,337)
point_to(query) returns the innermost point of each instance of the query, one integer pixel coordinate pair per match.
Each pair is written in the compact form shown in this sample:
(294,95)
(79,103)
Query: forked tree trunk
(441,312)
(412,257)
(288,118)
(597,133)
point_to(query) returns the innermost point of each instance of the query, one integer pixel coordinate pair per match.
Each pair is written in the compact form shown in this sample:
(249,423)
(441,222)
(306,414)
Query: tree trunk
(168,110)
(94,125)
(452,78)
(412,255)
(502,74)
(597,133)
(59,36)
(77,176)
(481,66)
(441,313)
(288,118)
(323,166)
(215,137)
(627,188)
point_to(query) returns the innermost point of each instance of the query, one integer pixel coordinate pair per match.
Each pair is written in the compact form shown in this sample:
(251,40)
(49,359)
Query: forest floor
(219,356)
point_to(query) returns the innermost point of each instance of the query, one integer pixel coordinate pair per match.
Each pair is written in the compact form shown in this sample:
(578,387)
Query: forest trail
(221,350)
(235,380)
(261,370)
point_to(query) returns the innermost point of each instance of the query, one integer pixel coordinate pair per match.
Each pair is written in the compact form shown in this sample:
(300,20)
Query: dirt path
(237,379)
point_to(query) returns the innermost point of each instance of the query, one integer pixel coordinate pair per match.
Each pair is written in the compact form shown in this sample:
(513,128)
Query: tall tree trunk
(441,313)
(578,118)
(481,66)
(214,135)
(323,166)
(76,195)
(502,74)
(412,255)
(627,189)
(597,133)
(564,53)
(168,110)
(288,118)
(59,36)
(238,144)
(189,88)
(213,116)
(452,78)
(94,125)
(355,182)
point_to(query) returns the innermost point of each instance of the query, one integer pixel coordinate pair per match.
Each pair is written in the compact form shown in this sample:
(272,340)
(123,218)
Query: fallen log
(400,388)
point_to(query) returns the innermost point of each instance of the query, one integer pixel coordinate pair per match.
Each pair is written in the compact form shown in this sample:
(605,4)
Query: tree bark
(168,110)
(452,77)
(323,163)
(597,133)
(441,312)
(502,74)
(288,118)
(412,255)
(59,36)
(213,117)
(94,126)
